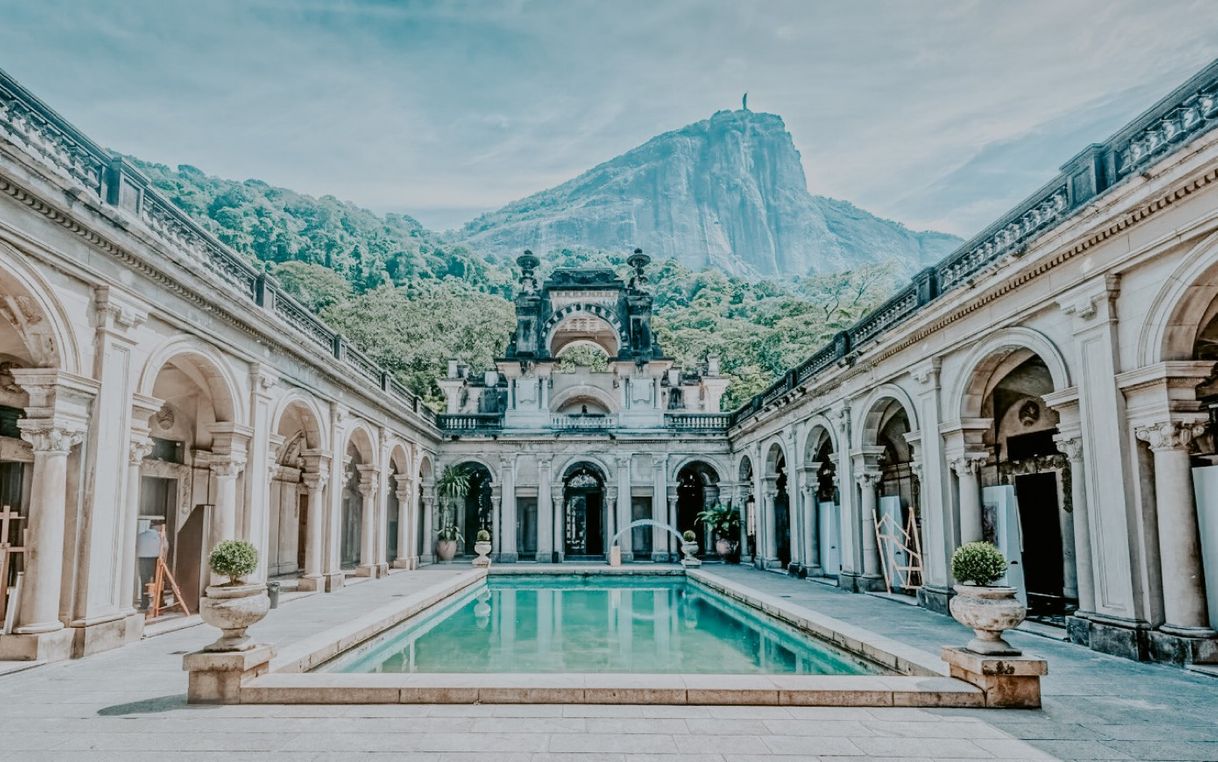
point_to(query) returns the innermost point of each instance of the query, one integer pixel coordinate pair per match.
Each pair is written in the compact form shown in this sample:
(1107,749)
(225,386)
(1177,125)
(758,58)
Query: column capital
(141,447)
(867,478)
(622,461)
(227,466)
(968,463)
(118,312)
(263,378)
(315,481)
(1070,445)
(927,372)
(51,436)
(1171,435)
(915,466)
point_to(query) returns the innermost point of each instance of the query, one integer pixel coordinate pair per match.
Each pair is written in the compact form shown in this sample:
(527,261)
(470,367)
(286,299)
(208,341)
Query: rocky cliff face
(726,192)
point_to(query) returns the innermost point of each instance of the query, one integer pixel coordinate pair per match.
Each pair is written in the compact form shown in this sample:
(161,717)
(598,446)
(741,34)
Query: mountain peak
(728,192)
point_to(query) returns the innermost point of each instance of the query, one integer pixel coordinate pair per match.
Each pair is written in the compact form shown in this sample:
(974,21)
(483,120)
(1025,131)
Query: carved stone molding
(141,447)
(315,481)
(227,467)
(50,436)
(1070,445)
(968,464)
(868,479)
(1170,435)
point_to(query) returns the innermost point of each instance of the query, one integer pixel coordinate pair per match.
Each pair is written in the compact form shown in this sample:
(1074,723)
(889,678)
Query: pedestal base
(102,636)
(660,557)
(216,678)
(935,599)
(1181,650)
(309,584)
(508,558)
(691,563)
(1006,681)
(1129,641)
(42,646)
(334,581)
(860,583)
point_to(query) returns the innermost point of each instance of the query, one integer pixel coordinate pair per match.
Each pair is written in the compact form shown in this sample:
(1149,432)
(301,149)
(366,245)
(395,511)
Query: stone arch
(363,439)
(774,450)
(685,460)
(28,303)
(875,414)
(1181,307)
(611,340)
(997,354)
(819,430)
(399,456)
(476,460)
(206,367)
(596,460)
(744,468)
(592,393)
(427,470)
(316,435)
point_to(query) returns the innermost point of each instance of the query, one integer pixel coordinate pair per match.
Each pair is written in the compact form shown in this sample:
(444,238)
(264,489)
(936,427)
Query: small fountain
(687,548)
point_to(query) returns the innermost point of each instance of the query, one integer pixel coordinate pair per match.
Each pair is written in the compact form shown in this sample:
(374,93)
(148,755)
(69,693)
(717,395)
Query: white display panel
(1205,488)
(830,538)
(1000,525)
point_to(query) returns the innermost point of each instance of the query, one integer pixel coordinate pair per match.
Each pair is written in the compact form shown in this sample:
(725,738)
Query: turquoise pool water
(598,623)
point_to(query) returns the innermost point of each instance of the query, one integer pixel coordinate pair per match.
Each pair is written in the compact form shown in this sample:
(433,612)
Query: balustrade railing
(49,139)
(712,422)
(472,422)
(582,422)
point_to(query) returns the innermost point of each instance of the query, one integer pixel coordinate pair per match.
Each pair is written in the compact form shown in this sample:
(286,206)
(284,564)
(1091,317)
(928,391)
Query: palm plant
(451,487)
(723,520)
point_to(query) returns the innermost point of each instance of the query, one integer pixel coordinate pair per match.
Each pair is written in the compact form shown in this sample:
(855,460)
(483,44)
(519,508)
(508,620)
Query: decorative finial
(528,263)
(638,260)
(744,102)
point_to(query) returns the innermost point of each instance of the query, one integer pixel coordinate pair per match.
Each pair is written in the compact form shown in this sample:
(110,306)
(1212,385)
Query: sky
(941,114)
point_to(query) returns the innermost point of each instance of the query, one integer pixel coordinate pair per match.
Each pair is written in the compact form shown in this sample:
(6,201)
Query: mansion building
(1049,386)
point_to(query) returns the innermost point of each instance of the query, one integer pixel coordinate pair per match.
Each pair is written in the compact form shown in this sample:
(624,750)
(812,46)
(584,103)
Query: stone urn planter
(233,608)
(689,549)
(446,549)
(482,549)
(988,611)
(723,547)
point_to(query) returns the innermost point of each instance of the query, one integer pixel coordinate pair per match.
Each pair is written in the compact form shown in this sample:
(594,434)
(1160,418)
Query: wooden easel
(891,538)
(156,588)
(7,516)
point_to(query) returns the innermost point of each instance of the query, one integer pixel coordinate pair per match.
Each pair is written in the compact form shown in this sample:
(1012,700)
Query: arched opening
(359,490)
(397,529)
(823,536)
(697,490)
(426,487)
(179,477)
(778,514)
(583,328)
(888,496)
(1026,508)
(584,511)
(288,518)
(476,511)
(744,474)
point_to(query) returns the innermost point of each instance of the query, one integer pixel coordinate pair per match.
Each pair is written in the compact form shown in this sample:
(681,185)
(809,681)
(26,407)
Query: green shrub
(483,535)
(978,563)
(689,535)
(233,559)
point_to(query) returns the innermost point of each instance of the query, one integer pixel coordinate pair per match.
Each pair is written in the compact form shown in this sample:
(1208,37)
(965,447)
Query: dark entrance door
(1042,542)
(583,535)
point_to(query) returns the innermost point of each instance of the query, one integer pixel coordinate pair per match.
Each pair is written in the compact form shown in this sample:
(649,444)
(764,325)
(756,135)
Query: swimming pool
(549,623)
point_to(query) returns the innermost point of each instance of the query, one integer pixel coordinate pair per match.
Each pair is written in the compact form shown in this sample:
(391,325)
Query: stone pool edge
(922,682)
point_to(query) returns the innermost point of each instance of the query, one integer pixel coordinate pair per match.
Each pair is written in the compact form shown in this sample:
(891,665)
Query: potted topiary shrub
(689,546)
(452,486)
(482,546)
(234,605)
(979,605)
(724,522)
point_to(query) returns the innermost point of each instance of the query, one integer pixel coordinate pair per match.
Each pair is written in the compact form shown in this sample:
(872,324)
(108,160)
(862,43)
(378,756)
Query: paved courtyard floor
(129,704)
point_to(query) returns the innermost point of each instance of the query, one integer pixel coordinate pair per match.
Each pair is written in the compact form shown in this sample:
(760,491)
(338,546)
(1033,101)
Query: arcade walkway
(129,704)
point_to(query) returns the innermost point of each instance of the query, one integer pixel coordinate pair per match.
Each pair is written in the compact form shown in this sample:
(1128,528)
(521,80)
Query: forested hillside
(412,302)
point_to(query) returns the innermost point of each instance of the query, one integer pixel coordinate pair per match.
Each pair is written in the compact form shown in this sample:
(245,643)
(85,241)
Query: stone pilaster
(369,479)
(316,477)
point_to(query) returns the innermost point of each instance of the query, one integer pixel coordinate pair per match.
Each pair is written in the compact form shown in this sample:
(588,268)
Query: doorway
(584,499)
(1043,559)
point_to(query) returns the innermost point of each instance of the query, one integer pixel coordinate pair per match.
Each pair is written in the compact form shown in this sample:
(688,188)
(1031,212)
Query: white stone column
(224,470)
(545,511)
(315,483)
(51,440)
(428,540)
(405,493)
(811,527)
(1184,603)
(966,466)
(674,549)
(742,505)
(496,520)
(610,510)
(769,535)
(510,510)
(659,508)
(255,519)
(938,525)
(1071,444)
(368,481)
(794,517)
(623,506)
(867,480)
(848,508)
(559,520)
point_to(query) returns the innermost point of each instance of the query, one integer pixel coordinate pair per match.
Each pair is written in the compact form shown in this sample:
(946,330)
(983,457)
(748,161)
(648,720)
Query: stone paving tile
(129,705)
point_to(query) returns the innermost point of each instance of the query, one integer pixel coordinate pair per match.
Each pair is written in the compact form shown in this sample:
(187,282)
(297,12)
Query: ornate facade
(1049,386)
